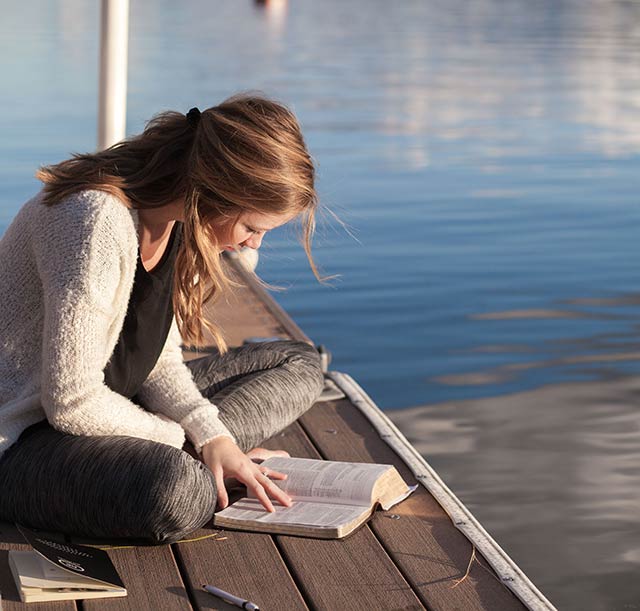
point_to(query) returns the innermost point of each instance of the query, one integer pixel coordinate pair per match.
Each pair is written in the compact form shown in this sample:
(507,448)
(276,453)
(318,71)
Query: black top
(146,324)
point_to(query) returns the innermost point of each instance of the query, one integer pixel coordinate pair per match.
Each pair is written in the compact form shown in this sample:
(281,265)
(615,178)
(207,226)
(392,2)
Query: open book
(330,499)
(62,571)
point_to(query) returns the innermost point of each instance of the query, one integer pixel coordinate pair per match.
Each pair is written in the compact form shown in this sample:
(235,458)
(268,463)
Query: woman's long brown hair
(244,155)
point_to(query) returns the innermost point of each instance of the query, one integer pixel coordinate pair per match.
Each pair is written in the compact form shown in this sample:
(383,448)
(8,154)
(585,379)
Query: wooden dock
(411,557)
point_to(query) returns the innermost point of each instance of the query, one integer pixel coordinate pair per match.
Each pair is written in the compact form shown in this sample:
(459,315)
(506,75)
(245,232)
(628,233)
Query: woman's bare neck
(154,230)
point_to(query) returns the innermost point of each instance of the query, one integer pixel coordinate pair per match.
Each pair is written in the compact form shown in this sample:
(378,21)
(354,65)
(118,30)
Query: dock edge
(508,571)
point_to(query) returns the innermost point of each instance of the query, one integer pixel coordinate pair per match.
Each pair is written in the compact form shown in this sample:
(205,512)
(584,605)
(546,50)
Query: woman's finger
(277,493)
(270,473)
(223,497)
(261,495)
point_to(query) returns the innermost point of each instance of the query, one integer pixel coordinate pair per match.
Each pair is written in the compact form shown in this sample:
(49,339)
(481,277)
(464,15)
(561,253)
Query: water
(484,158)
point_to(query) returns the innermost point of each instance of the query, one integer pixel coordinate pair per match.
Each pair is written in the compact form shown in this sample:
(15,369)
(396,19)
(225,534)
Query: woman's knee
(302,380)
(293,348)
(181,498)
(306,359)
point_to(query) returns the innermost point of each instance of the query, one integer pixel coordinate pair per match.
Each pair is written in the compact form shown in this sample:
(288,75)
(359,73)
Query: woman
(102,272)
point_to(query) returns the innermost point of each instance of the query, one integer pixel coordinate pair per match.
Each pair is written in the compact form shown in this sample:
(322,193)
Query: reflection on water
(485,156)
(553,475)
(606,351)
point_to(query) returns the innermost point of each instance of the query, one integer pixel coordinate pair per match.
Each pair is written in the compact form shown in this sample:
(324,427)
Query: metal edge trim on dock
(510,574)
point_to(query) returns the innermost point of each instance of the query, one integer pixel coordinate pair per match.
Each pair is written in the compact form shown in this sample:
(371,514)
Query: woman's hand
(226,459)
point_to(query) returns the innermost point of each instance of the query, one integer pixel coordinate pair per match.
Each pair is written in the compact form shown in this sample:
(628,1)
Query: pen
(231,599)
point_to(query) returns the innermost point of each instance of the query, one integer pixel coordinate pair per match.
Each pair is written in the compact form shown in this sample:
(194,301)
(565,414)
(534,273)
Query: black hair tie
(193,117)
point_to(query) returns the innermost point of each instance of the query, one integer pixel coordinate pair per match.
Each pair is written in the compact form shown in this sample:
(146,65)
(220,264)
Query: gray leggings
(134,488)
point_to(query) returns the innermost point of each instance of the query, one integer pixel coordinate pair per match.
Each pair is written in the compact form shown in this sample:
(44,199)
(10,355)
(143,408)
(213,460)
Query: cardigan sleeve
(170,390)
(80,262)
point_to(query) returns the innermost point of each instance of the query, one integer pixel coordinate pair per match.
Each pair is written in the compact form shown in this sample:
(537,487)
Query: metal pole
(112,93)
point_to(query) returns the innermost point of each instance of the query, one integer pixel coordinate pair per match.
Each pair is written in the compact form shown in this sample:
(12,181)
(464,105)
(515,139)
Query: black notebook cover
(88,562)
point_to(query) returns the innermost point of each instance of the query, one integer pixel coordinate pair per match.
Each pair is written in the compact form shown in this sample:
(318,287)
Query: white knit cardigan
(66,274)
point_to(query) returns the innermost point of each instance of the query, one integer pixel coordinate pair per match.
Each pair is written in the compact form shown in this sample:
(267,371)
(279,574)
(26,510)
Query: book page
(326,480)
(317,515)
(388,504)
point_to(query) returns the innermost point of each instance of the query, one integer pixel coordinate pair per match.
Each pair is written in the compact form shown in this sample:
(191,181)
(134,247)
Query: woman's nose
(254,241)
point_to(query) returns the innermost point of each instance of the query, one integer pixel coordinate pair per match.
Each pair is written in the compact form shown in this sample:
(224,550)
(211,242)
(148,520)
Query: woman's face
(249,230)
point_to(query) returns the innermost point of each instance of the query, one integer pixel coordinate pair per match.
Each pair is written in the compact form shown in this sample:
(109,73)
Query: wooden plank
(245,564)
(431,553)
(351,573)
(270,308)
(242,305)
(152,580)
(244,312)
(10,539)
